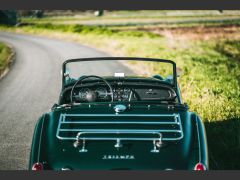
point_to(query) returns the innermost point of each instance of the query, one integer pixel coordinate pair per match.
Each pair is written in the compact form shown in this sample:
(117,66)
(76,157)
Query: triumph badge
(120,157)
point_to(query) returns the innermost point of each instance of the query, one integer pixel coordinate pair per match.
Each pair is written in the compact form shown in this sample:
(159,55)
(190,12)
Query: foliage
(5,51)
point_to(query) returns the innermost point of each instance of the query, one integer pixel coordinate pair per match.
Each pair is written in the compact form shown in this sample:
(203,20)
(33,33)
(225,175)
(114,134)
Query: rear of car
(141,138)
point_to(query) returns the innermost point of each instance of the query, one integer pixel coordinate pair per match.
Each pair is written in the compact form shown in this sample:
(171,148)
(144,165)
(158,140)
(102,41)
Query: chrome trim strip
(59,124)
(122,115)
(117,131)
(117,138)
(118,122)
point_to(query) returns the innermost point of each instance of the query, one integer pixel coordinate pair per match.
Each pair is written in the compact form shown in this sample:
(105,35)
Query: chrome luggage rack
(148,127)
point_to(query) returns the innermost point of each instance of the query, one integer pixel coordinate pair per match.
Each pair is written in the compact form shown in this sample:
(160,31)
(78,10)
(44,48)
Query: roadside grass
(223,142)
(210,79)
(5,52)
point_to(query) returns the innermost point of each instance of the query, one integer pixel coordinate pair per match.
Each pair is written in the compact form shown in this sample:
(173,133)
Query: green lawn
(209,57)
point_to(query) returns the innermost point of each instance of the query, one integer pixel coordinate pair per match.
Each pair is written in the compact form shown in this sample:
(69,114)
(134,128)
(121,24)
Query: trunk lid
(97,138)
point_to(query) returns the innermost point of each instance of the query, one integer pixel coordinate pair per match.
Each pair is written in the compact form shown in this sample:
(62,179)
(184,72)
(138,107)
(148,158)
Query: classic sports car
(115,114)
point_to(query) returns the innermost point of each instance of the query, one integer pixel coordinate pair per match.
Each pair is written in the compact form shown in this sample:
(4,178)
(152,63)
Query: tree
(9,17)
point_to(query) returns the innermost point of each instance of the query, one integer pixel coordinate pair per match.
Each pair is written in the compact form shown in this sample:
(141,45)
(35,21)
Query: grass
(5,53)
(223,141)
(209,59)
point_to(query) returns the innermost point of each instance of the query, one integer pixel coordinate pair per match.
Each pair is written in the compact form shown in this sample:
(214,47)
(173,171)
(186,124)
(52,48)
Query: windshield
(119,67)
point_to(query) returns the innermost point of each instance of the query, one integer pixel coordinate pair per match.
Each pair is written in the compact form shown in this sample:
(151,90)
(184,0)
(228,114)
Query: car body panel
(55,153)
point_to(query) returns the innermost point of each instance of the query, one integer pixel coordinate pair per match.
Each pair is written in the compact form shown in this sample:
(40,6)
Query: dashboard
(121,93)
(103,94)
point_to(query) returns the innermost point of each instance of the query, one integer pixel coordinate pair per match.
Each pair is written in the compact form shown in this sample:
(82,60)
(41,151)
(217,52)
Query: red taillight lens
(200,167)
(37,166)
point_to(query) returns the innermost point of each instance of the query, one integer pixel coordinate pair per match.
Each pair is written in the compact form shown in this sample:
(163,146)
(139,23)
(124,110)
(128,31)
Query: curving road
(30,88)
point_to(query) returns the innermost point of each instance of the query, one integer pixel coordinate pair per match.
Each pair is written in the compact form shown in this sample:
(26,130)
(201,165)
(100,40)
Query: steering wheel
(91,94)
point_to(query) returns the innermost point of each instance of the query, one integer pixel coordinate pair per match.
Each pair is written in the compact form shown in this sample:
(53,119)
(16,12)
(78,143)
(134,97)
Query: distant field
(204,44)
(142,18)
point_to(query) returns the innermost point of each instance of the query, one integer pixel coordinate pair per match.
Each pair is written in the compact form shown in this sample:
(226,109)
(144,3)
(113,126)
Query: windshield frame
(174,85)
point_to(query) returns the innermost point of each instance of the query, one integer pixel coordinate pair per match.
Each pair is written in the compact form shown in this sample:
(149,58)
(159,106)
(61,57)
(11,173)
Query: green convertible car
(115,113)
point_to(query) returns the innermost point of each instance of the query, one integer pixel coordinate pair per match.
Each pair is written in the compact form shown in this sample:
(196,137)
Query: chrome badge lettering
(113,157)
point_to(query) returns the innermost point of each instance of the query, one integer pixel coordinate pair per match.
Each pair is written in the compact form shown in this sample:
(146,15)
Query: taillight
(37,166)
(200,167)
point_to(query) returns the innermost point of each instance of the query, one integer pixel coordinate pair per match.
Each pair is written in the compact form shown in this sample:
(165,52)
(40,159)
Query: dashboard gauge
(101,93)
(83,93)
(120,94)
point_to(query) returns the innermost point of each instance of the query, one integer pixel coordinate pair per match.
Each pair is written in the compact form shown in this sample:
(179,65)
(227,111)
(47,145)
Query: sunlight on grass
(211,69)
(5,52)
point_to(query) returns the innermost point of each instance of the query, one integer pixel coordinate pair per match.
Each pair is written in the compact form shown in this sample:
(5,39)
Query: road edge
(10,60)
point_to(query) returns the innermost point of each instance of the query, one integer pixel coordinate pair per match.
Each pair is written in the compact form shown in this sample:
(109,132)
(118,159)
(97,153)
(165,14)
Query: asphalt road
(31,88)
